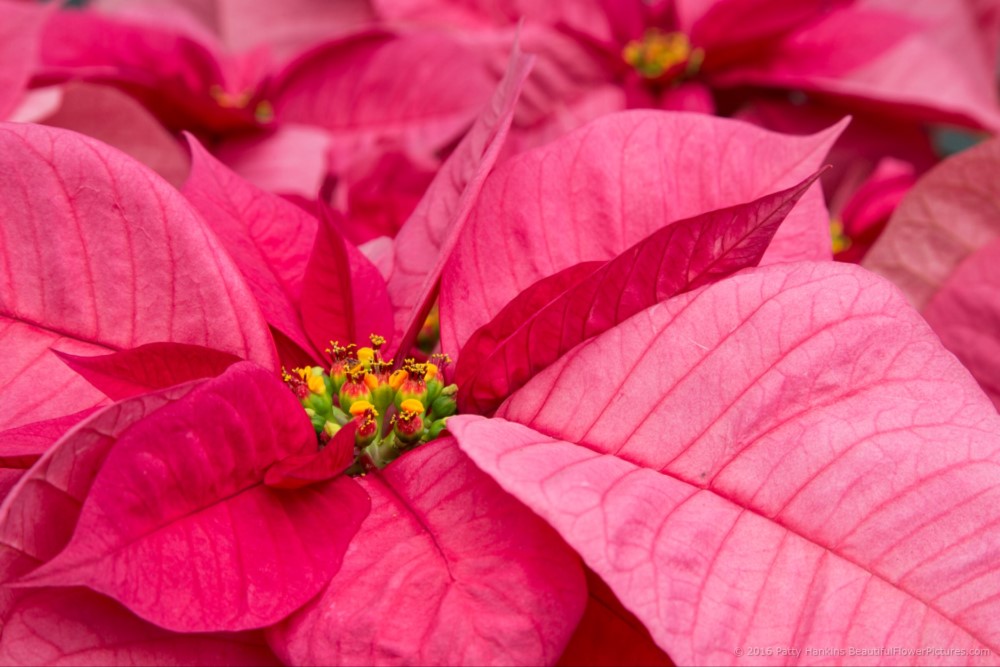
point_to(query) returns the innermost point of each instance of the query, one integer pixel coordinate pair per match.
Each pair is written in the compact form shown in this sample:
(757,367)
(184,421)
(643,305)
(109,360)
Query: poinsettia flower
(895,57)
(343,625)
(653,368)
(304,109)
(448,567)
(64,560)
(842,58)
(940,249)
(184,81)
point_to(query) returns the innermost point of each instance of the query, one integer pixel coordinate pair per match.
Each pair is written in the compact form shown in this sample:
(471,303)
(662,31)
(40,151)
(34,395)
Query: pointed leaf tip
(344,297)
(427,239)
(565,202)
(149,367)
(302,470)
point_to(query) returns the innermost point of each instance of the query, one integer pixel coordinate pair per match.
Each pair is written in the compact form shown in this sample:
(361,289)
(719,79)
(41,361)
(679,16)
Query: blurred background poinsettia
(292,97)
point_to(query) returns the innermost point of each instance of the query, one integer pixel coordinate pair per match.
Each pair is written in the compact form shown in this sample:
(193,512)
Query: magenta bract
(149,367)
(669,166)
(38,518)
(433,104)
(269,238)
(299,470)
(344,298)
(220,551)
(679,257)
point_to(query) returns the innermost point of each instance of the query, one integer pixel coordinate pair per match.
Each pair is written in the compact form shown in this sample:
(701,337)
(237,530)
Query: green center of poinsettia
(361,386)
(663,55)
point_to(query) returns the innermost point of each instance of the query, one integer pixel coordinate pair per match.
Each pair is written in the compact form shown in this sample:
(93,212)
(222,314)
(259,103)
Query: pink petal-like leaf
(38,103)
(838,487)
(178,526)
(302,470)
(717,25)
(933,68)
(677,258)
(111,116)
(149,367)
(566,202)
(427,239)
(269,238)
(461,572)
(77,627)
(20,33)
(813,48)
(436,83)
(345,297)
(965,313)
(949,213)
(100,254)
(22,446)
(290,160)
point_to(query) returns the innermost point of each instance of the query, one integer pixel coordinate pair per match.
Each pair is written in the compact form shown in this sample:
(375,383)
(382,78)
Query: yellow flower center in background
(841,241)
(658,53)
